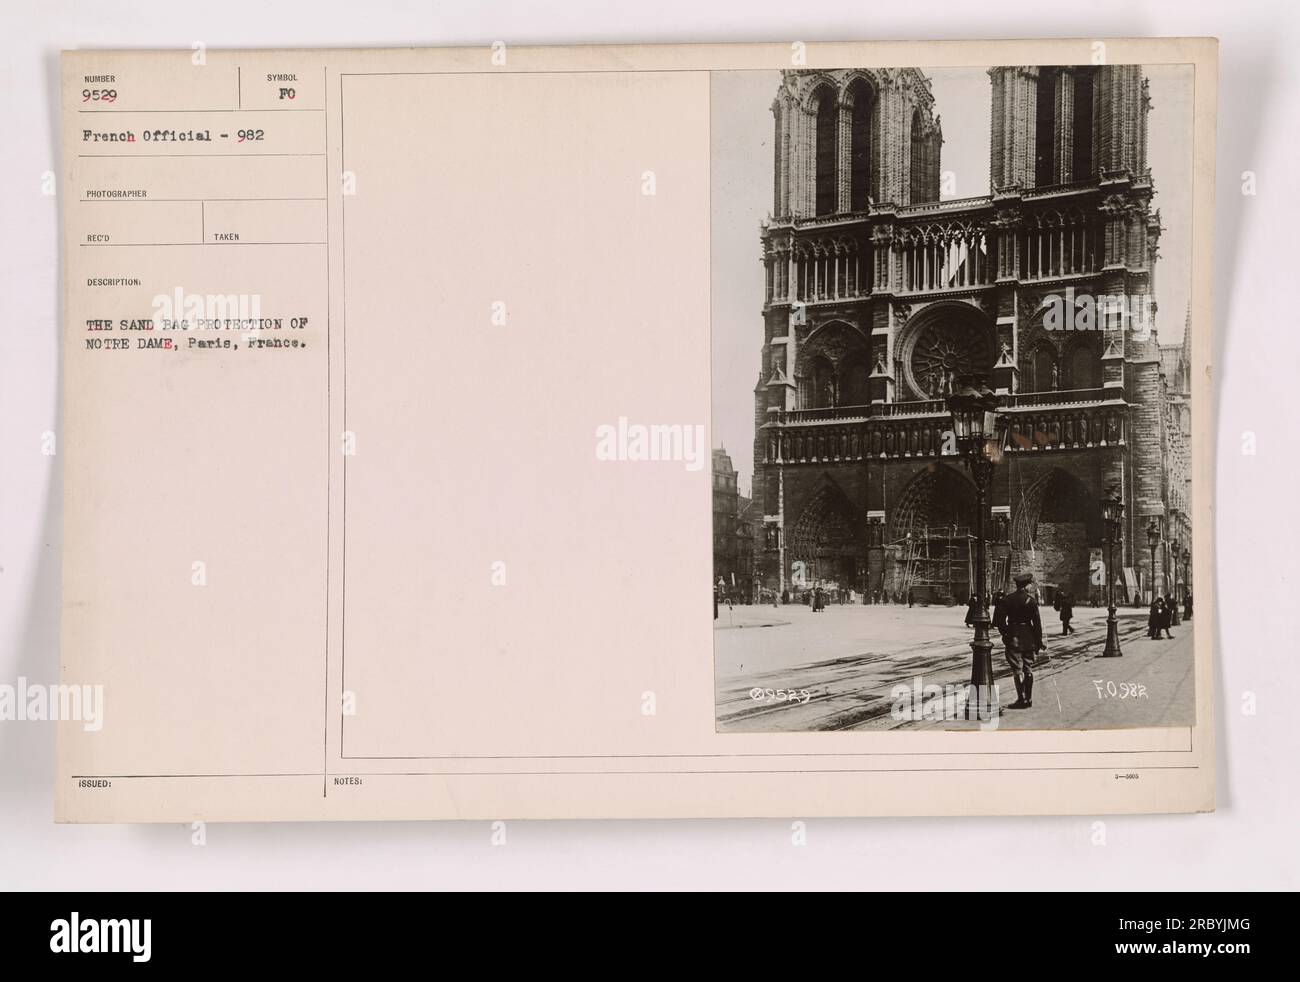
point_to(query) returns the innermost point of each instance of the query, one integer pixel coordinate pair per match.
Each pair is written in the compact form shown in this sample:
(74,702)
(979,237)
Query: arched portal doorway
(824,544)
(1056,533)
(931,529)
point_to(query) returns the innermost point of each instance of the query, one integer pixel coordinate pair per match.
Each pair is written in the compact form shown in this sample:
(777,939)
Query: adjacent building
(728,571)
(1176,453)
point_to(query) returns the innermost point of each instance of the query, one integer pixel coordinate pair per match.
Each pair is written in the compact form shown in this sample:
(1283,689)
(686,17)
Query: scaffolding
(938,563)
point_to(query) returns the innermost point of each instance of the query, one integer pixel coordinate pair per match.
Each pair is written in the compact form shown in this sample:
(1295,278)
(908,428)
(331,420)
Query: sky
(742,196)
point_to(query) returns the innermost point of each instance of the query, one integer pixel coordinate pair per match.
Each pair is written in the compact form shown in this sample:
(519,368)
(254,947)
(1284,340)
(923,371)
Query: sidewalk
(749,615)
(1150,685)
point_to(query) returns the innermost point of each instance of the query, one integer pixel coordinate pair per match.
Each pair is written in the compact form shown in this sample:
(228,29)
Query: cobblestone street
(844,662)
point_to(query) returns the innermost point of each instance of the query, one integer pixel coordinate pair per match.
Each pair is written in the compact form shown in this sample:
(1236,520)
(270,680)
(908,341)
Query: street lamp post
(1153,540)
(1174,620)
(1112,514)
(981,433)
(1187,586)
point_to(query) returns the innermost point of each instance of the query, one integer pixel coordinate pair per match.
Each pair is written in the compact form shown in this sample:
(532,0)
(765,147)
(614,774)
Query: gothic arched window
(1083,367)
(1045,134)
(823,384)
(860,147)
(855,381)
(1042,370)
(827,132)
(1081,167)
(920,164)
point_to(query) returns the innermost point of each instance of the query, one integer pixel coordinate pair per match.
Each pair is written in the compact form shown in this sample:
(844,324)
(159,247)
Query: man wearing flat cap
(1017,619)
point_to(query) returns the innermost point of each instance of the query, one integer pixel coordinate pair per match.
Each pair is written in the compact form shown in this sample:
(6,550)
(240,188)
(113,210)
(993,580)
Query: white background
(1251,841)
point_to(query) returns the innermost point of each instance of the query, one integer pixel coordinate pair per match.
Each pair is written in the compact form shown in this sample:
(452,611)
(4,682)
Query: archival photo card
(637,432)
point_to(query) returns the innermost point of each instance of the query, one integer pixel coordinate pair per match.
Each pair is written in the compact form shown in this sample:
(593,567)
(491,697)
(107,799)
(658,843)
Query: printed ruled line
(124,245)
(96,201)
(643,773)
(197,155)
(295,109)
(123,777)
(329,457)
(820,753)
(343,398)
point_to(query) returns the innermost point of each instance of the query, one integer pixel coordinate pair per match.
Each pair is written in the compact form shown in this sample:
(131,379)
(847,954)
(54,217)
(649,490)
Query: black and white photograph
(952,377)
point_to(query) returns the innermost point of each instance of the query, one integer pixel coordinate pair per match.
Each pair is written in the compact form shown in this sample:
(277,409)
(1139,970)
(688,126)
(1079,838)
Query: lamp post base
(1112,636)
(982,702)
(982,693)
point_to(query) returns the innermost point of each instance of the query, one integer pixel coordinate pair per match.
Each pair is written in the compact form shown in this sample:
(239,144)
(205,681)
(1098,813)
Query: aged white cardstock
(393,380)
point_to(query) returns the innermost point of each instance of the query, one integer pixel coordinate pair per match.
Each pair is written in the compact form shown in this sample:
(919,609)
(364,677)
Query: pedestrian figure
(1018,621)
(1187,605)
(911,597)
(1065,604)
(972,610)
(1155,618)
(1167,616)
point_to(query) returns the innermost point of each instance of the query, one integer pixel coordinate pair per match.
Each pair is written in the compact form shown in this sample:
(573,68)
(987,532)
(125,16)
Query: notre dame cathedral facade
(879,295)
